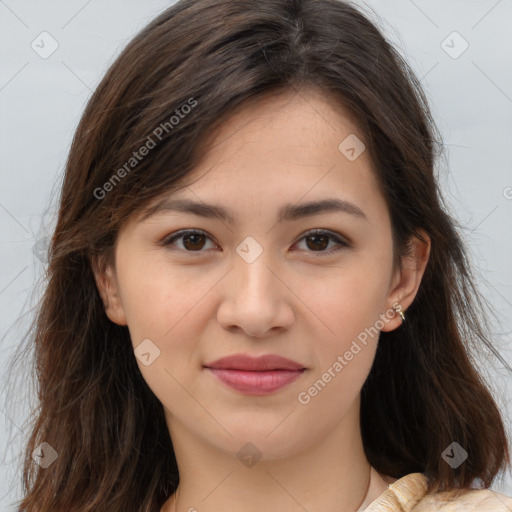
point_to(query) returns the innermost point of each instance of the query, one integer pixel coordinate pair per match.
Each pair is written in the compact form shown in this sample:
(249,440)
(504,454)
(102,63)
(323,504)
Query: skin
(200,300)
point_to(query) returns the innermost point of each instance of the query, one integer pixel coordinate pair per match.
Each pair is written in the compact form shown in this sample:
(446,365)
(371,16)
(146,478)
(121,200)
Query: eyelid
(342,242)
(327,232)
(176,235)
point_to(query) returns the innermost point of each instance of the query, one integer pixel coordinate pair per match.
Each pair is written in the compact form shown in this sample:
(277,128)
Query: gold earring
(398,308)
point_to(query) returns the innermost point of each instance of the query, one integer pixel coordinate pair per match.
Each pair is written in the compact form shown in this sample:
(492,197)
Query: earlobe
(106,282)
(408,279)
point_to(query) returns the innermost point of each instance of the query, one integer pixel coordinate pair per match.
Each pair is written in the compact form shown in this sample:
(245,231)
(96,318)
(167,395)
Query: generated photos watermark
(304,397)
(151,142)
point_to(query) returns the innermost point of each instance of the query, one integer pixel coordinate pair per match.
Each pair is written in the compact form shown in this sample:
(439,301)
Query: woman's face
(254,283)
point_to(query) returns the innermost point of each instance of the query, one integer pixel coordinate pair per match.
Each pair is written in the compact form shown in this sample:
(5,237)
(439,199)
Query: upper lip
(249,363)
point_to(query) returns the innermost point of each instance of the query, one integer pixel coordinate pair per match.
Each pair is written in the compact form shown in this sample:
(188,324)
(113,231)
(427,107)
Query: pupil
(319,236)
(192,237)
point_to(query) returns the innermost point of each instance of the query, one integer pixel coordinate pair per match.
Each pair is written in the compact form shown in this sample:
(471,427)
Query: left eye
(193,240)
(320,239)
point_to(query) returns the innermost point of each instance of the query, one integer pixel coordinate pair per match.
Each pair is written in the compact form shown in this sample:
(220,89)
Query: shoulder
(464,501)
(409,494)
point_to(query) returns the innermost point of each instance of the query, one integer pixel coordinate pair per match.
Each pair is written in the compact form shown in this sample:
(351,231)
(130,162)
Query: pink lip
(249,363)
(256,376)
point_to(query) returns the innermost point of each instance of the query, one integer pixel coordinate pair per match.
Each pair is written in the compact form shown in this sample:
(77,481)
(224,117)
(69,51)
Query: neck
(331,474)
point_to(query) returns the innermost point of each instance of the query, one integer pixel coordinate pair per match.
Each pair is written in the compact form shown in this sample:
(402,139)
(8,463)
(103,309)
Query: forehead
(302,123)
(280,150)
(304,140)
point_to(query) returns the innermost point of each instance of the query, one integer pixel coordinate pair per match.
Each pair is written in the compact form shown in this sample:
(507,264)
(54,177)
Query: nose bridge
(256,299)
(252,267)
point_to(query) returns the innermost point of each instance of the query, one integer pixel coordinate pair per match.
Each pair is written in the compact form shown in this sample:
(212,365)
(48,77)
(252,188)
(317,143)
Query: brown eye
(192,240)
(317,241)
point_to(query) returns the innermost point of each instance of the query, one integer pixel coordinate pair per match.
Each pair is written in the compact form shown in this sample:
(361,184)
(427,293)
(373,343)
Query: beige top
(409,494)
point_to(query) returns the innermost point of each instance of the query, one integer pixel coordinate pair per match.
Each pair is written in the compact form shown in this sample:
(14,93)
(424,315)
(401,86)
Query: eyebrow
(288,212)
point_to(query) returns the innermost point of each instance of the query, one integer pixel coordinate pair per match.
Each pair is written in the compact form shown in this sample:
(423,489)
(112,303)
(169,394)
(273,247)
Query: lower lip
(257,383)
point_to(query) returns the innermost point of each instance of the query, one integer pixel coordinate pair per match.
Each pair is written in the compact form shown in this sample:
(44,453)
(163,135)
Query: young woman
(256,299)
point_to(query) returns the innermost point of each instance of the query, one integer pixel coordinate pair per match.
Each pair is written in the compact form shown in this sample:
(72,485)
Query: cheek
(160,299)
(349,303)
(347,299)
(346,342)
(163,305)
(168,306)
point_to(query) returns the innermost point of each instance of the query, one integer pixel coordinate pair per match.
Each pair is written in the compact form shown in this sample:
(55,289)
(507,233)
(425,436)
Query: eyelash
(315,232)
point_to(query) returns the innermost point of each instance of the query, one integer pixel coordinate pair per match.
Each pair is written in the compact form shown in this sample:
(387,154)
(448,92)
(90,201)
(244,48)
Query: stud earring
(398,308)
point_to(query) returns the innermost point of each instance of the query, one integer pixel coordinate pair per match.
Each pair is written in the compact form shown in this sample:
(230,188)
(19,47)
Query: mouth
(256,376)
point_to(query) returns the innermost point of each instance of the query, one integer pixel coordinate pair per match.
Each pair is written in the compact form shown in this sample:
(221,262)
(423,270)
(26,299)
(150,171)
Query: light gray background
(41,101)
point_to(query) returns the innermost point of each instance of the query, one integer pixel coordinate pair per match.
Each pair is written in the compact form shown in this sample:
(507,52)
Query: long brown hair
(213,56)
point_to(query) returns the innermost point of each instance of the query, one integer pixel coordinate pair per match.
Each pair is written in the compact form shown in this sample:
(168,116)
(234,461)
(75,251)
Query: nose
(256,298)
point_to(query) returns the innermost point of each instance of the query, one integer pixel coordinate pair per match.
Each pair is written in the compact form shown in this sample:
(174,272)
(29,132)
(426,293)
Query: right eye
(192,240)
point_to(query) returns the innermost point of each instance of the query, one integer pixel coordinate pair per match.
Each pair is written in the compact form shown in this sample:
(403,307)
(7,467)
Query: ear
(407,279)
(108,288)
